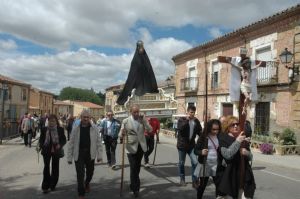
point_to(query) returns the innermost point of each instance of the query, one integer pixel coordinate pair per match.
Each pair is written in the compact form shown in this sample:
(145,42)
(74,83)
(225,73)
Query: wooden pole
(206,111)
(242,120)
(155,148)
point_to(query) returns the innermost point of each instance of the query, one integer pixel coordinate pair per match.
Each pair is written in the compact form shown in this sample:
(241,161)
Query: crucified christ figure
(243,79)
(246,87)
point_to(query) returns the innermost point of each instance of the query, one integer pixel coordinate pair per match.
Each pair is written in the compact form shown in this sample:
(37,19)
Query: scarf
(52,134)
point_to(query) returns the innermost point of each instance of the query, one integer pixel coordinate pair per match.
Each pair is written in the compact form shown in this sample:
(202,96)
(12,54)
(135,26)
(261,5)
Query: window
(262,117)
(264,74)
(227,109)
(191,104)
(24,94)
(192,78)
(215,75)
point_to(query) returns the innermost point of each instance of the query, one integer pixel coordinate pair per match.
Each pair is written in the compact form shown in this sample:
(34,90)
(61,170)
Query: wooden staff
(123,163)
(154,152)
(206,112)
(242,120)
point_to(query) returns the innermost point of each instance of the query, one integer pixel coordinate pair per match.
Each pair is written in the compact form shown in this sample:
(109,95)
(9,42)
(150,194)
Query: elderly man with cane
(132,135)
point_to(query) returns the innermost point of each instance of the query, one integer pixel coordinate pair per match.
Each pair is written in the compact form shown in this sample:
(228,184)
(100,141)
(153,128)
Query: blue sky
(54,44)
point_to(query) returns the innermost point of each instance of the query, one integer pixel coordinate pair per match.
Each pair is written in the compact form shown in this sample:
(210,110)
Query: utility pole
(4,88)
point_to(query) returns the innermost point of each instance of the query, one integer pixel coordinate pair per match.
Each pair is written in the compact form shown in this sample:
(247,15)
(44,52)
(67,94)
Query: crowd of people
(215,152)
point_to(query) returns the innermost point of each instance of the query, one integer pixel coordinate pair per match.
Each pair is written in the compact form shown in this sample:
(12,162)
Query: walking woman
(52,140)
(207,148)
(230,181)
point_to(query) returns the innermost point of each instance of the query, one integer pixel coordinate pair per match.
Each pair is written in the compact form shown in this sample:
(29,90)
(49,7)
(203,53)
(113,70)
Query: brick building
(14,100)
(40,102)
(278,104)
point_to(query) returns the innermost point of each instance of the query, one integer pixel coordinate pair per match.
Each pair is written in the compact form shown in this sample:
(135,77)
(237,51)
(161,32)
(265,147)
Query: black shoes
(136,194)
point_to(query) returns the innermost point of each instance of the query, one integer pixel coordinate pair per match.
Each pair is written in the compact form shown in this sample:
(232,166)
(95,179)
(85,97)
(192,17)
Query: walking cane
(155,152)
(204,160)
(122,169)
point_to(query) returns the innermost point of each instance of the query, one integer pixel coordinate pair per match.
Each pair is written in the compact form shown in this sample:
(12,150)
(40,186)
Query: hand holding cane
(122,166)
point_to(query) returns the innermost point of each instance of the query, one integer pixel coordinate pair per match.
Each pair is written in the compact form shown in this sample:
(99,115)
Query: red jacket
(154,122)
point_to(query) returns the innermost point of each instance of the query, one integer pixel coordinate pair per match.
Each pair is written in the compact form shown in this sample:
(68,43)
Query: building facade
(63,108)
(14,100)
(40,102)
(278,104)
(95,110)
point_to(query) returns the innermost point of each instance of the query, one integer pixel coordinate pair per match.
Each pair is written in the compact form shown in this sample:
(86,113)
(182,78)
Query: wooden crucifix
(242,89)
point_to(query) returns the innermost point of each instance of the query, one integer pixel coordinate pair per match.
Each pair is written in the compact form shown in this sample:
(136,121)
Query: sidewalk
(288,161)
(19,140)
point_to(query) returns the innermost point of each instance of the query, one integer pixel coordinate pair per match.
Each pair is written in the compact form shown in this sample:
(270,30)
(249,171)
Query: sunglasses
(234,124)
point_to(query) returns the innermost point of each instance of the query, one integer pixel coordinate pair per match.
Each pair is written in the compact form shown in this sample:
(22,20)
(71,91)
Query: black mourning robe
(141,77)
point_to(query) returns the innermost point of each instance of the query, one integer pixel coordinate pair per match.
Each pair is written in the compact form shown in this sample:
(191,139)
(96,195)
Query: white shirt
(108,126)
(135,123)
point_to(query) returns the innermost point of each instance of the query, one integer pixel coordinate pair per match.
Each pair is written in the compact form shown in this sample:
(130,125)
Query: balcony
(189,84)
(268,75)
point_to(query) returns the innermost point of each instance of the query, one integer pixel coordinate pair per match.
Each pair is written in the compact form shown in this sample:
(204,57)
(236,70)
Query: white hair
(85,112)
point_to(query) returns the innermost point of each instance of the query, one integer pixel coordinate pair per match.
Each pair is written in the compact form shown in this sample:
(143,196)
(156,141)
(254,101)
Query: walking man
(27,128)
(132,133)
(188,128)
(84,146)
(149,135)
(110,128)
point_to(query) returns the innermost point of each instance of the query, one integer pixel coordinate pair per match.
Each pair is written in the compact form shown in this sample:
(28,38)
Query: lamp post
(3,92)
(286,58)
(168,80)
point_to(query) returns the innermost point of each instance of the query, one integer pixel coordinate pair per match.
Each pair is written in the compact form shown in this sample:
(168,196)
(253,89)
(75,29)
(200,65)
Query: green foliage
(263,138)
(166,123)
(288,137)
(88,95)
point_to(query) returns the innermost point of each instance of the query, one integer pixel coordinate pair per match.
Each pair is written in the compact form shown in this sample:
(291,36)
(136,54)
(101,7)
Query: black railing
(189,84)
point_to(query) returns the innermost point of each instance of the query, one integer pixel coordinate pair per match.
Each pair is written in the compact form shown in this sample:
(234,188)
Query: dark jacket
(183,139)
(228,175)
(115,127)
(61,137)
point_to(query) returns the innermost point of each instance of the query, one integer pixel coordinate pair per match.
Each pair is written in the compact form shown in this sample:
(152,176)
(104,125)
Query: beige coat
(27,124)
(96,144)
(134,136)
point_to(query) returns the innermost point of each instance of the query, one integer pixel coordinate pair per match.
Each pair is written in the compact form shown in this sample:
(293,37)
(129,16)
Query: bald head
(135,111)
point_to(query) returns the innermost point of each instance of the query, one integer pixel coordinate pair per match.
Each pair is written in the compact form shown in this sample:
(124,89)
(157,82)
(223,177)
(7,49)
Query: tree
(102,97)
(87,95)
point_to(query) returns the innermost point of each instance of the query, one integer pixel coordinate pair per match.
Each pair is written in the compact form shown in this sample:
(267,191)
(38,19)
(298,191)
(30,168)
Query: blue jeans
(194,161)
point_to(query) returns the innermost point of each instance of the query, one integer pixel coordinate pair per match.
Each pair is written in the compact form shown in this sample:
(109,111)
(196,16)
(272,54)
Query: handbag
(61,153)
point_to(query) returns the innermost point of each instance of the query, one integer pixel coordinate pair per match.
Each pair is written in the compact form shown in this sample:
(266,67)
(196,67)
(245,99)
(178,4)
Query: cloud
(87,68)
(215,32)
(59,24)
(8,44)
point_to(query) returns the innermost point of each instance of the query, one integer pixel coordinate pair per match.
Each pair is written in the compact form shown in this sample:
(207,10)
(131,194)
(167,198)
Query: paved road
(20,177)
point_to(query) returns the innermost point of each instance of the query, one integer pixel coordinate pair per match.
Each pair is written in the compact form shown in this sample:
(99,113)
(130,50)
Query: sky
(52,44)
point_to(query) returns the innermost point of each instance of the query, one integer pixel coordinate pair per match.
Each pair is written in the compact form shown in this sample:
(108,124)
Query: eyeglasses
(109,114)
(234,124)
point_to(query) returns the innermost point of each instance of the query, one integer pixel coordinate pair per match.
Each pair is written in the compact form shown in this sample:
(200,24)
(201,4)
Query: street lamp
(168,80)
(286,58)
(3,91)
